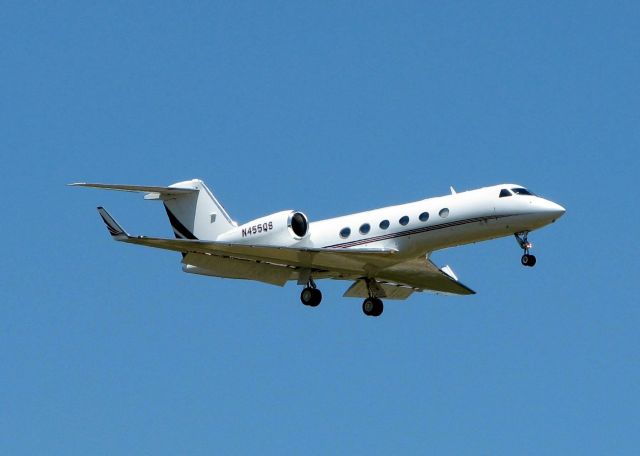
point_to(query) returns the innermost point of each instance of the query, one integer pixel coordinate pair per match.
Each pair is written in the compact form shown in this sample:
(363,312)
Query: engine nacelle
(281,228)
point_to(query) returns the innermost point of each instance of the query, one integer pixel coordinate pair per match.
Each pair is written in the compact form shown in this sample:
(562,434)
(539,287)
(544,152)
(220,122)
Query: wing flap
(388,290)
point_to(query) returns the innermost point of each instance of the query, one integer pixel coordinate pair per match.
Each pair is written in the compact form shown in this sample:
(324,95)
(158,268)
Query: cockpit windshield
(521,191)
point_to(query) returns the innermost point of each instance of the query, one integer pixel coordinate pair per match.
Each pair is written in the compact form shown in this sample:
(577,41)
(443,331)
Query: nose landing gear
(527,259)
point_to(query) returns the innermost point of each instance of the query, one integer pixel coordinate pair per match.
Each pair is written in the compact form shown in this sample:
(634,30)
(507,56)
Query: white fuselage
(455,219)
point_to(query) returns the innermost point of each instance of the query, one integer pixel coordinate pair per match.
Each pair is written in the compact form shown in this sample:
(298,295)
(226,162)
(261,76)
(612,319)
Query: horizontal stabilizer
(158,191)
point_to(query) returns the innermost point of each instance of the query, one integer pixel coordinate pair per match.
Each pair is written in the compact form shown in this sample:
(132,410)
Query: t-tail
(193,211)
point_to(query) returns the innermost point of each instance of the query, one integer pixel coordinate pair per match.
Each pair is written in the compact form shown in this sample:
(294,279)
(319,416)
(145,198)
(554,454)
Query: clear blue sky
(328,108)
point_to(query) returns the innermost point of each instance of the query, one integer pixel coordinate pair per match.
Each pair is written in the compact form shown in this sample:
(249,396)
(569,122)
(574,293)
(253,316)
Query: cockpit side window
(504,192)
(521,191)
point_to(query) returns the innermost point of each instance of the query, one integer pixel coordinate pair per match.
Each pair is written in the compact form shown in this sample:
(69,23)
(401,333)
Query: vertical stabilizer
(197,214)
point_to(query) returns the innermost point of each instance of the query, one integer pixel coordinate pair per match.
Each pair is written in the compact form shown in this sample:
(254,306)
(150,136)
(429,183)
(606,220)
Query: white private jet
(384,252)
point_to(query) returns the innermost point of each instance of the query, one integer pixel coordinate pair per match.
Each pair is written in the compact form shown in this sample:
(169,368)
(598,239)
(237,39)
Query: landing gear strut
(527,259)
(372,306)
(310,295)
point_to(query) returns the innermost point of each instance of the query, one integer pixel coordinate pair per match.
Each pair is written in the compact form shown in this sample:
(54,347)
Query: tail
(197,214)
(193,211)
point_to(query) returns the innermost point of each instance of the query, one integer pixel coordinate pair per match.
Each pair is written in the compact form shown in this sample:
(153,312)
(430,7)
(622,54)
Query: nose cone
(561,210)
(551,211)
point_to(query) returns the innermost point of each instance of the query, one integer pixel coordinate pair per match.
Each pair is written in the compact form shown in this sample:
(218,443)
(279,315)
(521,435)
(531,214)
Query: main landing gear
(310,295)
(527,259)
(372,306)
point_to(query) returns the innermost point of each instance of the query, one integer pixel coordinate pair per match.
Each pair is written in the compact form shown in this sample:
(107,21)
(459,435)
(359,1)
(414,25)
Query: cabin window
(404,220)
(364,228)
(504,192)
(384,224)
(444,213)
(424,216)
(345,232)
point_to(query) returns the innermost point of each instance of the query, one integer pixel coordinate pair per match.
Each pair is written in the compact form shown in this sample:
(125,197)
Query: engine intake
(298,224)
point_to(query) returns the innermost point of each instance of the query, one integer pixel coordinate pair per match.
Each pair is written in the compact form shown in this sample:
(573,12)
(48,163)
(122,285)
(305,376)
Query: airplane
(385,252)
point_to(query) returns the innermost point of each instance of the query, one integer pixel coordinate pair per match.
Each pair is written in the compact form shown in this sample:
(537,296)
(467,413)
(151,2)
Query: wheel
(368,306)
(372,307)
(310,296)
(528,260)
(316,297)
(306,296)
(379,307)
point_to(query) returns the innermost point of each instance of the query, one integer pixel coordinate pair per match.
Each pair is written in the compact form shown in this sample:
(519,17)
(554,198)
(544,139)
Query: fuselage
(437,223)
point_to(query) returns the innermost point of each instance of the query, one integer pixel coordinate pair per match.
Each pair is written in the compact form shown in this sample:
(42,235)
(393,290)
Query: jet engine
(282,228)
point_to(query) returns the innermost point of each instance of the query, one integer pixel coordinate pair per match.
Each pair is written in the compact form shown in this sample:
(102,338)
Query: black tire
(368,306)
(316,297)
(306,296)
(379,307)
(532,261)
(310,296)
(525,260)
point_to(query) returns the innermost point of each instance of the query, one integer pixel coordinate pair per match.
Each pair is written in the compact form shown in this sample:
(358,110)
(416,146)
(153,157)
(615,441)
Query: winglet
(116,231)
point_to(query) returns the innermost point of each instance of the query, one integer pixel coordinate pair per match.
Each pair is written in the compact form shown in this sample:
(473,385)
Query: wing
(423,275)
(335,263)
(359,289)
(274,264)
